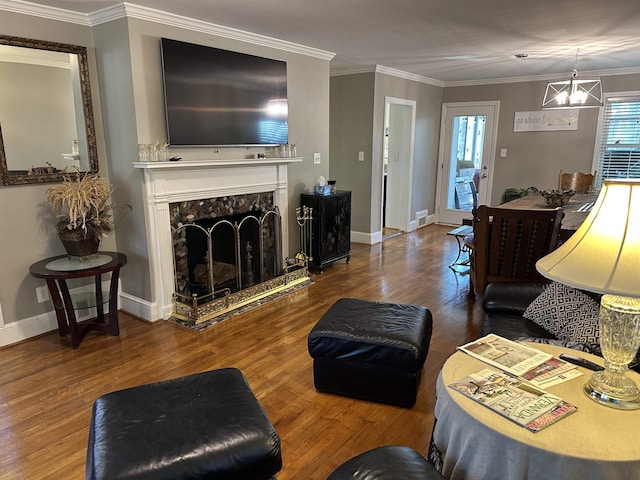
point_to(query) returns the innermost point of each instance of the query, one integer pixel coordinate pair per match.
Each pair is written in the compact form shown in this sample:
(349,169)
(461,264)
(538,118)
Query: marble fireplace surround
(168,182)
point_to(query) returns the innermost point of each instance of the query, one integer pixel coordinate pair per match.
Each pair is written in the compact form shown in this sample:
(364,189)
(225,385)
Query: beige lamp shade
(603,255)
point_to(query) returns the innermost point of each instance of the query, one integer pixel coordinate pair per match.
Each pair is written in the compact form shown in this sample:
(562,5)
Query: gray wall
(535,158)
(28,227)
(351,131)
(357,124)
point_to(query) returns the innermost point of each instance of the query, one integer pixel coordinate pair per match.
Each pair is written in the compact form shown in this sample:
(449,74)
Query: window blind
(619,150)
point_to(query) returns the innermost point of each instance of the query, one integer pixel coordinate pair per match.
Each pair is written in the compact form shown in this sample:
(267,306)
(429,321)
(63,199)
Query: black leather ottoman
(387,463)
(371,350)
(207,425)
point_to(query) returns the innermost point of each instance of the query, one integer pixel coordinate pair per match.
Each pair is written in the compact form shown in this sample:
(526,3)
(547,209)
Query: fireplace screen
(228,255)
(225,245)
(220,256)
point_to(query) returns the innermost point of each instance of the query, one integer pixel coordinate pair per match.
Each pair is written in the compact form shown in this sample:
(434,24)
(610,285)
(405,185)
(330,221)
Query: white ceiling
(449,41)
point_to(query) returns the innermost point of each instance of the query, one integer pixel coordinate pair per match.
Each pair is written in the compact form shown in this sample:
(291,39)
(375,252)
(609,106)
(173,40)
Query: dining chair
(507,243)
(577,181)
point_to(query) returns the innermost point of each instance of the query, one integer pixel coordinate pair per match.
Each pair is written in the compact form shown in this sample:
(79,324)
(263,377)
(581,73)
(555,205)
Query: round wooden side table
(57,270)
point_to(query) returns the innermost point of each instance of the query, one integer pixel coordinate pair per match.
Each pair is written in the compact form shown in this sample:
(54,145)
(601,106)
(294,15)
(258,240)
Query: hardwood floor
(47,389)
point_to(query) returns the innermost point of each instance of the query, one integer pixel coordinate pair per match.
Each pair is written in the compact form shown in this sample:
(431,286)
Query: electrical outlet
(43,294)
(316,158)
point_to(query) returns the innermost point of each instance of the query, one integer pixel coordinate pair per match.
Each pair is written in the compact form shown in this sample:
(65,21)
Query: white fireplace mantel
(177,181)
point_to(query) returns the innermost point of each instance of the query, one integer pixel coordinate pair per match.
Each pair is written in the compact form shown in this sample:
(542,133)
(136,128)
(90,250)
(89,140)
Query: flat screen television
(216,97)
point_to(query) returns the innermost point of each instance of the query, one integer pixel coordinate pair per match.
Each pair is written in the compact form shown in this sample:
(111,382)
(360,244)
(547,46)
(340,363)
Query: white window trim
(598,140)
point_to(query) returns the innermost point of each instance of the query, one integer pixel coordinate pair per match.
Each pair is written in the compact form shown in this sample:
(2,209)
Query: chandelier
(573,93)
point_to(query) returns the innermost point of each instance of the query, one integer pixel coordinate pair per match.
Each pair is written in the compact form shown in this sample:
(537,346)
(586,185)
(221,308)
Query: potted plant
(82,202)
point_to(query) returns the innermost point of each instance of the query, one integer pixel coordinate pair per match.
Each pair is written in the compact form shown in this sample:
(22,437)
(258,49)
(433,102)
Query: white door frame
(488,158)
(406,178)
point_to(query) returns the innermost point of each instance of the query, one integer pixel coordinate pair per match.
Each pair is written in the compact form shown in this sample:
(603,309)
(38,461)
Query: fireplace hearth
(167,184)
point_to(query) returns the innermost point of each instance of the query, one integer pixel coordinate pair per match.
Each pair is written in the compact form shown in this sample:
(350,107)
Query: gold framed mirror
(46,116)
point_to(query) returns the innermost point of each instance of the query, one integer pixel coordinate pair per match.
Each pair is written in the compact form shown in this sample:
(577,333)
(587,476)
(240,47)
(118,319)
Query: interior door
(466,158)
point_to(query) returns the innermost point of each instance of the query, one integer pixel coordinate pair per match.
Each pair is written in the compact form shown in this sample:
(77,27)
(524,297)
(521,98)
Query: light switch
(316,158)
(361,156)
(503,152)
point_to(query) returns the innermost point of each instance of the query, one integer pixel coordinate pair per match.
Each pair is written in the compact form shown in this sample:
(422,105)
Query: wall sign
(546,120)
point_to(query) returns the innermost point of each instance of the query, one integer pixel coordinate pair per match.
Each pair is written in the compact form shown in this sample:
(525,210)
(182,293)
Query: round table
(57,270)
(596,442)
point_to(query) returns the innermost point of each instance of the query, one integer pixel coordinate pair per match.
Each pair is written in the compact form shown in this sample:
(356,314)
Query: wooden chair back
(577,181)
(509,242)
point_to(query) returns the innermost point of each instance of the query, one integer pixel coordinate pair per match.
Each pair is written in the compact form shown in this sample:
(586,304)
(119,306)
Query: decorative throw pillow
(567,312)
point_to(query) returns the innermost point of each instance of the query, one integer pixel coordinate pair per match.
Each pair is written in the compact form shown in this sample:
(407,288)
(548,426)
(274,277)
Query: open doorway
(397,165)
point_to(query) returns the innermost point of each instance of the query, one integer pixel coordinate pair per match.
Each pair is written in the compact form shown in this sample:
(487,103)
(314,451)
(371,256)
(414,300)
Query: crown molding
(130,10)
(42,11)
(339,71)
(409,76)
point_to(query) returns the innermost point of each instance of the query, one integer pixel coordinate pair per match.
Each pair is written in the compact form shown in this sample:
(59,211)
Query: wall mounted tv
(216,97)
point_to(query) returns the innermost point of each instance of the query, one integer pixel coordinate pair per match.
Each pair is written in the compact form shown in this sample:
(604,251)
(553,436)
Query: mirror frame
(85,88)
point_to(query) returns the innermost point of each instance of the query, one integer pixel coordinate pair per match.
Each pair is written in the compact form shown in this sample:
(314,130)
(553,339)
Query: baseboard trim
(139,308)
(27,328)
(429,220)
(366,238)
(15,332)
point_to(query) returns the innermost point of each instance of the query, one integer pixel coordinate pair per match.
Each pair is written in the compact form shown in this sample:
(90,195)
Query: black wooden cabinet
(331,227)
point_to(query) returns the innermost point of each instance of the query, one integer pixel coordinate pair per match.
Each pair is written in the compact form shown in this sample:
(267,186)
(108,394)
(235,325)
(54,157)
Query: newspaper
(515,399)
(538,367)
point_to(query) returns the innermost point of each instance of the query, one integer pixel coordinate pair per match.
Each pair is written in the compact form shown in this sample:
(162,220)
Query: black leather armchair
(504,305)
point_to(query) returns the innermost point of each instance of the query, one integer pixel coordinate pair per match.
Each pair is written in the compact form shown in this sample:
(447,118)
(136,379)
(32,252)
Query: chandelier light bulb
(578,96)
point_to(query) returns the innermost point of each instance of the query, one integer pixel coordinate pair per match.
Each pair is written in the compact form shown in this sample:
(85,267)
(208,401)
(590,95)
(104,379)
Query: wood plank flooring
(47,389)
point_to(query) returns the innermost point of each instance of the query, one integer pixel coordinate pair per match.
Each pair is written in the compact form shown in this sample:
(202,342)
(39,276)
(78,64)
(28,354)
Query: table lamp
(603,256)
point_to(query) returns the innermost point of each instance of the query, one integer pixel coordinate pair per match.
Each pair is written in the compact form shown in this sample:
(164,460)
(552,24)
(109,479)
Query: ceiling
(452,42)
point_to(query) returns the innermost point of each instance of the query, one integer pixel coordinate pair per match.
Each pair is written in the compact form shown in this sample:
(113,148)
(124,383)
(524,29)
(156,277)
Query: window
(618,150)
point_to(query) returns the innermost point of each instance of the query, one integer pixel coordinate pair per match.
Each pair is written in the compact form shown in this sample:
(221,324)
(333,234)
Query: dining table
(575,210)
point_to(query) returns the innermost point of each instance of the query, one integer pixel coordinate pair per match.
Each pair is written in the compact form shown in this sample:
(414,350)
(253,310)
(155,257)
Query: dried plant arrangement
(82,202)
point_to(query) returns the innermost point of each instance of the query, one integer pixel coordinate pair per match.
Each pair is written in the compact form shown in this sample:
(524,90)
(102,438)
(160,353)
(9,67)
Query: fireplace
(224,245)
(185,195)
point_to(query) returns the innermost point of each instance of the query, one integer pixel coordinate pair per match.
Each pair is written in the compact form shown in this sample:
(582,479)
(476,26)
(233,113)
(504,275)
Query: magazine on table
(514,398)
(538,367)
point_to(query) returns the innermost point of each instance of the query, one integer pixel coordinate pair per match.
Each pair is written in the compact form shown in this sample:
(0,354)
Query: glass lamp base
(619,340)
(614,390)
